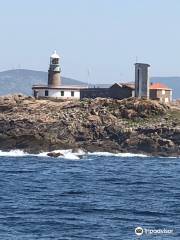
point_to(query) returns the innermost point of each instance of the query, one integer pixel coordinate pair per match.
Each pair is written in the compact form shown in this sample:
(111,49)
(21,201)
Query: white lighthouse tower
(54,78)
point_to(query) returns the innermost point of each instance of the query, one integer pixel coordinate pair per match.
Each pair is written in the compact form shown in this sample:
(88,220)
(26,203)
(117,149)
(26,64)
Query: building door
(46,93)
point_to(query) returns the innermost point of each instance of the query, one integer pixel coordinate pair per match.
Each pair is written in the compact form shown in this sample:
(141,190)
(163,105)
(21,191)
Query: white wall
(56,93)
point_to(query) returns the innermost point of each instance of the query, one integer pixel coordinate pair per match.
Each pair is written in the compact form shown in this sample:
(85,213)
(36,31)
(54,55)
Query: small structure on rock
(139,89)
(160,92)
(115,91)
(157,91)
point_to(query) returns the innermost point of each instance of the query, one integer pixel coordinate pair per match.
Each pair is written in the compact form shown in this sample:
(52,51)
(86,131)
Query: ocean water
(88,197)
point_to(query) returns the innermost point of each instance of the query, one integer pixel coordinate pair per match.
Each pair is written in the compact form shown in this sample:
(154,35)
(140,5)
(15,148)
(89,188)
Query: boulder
(54,154)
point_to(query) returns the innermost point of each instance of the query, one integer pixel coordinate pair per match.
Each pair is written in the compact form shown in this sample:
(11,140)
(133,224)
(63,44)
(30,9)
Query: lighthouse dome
(55,55)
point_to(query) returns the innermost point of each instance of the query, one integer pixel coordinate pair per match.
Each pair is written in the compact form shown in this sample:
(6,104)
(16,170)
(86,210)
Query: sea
(89,196)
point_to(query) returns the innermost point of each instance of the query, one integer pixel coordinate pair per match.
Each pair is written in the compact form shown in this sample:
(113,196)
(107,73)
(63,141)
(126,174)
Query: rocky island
(129,125)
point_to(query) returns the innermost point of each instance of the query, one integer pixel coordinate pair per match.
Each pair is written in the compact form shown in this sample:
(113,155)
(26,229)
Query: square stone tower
(141,80)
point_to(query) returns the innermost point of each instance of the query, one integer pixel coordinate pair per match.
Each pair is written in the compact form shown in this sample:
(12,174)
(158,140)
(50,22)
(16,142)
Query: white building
(55,89)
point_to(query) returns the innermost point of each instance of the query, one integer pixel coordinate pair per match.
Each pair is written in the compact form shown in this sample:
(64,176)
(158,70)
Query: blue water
(96,197)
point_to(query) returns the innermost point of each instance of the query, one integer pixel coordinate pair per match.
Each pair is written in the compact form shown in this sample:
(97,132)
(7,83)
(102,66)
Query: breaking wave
(67,154)
(13,153)
(117,154)
(70,154)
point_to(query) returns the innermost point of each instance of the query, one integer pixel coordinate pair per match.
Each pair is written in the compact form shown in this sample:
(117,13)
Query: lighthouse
(54,87)
(54,78)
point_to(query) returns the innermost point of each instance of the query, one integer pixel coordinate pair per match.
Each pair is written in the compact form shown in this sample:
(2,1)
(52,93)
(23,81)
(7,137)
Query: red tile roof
(159,86)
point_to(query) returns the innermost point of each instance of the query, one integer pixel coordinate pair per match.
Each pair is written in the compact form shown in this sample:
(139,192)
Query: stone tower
(54,78)
(141,80)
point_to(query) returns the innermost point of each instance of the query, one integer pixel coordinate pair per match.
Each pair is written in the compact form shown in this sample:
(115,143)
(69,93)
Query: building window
(163,92)
(46,93)
(72,93)
(62,93)
(166,100)
(55,61)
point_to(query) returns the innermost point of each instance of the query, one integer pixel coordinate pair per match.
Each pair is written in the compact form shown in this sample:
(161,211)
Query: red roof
(159,86)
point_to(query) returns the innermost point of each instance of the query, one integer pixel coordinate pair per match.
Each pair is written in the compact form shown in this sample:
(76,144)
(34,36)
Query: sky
(101,37)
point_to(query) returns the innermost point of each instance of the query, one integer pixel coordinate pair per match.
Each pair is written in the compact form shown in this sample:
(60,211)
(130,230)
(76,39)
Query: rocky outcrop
(54,154)
(129,125)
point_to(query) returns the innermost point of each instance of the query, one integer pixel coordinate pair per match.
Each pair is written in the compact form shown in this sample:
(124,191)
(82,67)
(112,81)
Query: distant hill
(172,82)
(21,81)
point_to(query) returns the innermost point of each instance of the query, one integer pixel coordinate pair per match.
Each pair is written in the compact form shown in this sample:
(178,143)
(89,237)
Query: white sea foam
(106,154)
(13,153)
(69,154)
(43,154)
